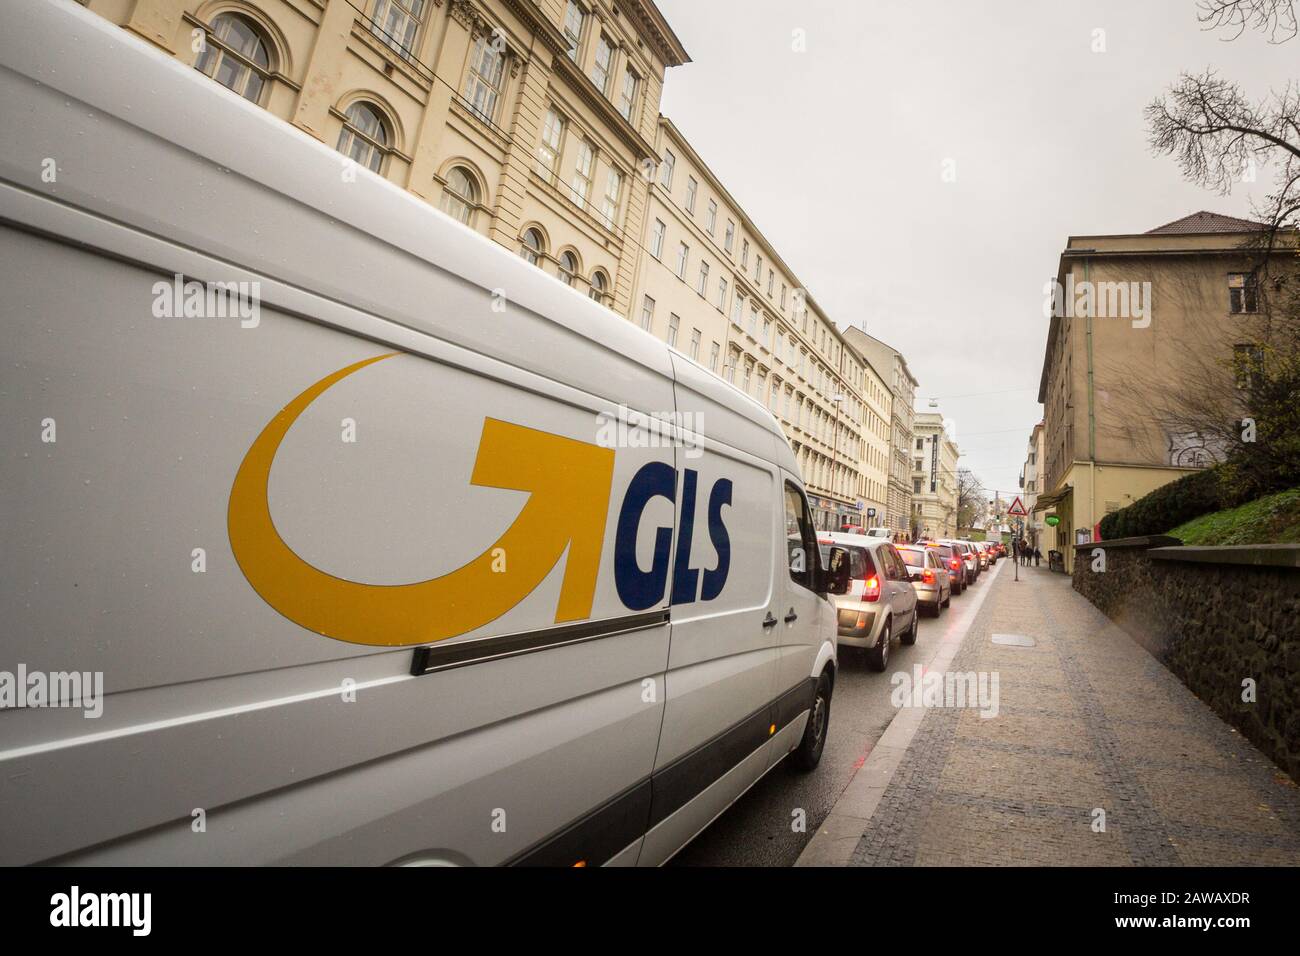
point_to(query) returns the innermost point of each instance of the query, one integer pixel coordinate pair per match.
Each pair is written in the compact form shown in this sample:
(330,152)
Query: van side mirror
(835,578)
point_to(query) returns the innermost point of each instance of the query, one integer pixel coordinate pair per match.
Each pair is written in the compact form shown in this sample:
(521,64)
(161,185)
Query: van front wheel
(809,752)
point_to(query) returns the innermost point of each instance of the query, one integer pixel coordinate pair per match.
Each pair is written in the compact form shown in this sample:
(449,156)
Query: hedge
(1167,507)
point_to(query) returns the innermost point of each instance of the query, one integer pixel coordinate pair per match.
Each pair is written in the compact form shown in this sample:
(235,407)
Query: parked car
(880,604)
(369,575)
(968,555)
(929,577)
(951,558)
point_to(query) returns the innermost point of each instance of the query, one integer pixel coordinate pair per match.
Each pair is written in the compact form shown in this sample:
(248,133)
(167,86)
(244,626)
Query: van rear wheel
(809,752)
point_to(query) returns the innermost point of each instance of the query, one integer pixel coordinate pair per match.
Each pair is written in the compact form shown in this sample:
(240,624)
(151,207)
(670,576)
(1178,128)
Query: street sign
(1017,508)
(871,512)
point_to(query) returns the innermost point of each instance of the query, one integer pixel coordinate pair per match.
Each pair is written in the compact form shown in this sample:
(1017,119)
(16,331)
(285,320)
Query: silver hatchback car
(881,604)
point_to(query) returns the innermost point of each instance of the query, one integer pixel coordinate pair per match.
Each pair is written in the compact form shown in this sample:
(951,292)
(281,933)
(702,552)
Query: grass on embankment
(1271,520)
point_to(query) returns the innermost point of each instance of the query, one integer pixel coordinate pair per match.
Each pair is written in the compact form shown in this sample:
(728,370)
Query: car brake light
(872,590)
(956,564)
(927,576)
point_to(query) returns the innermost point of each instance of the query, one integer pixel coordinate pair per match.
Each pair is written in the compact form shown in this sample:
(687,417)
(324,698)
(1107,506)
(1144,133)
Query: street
(758,830)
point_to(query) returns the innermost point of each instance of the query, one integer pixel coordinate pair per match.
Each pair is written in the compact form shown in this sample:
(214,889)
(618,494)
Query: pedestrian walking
(1038,556)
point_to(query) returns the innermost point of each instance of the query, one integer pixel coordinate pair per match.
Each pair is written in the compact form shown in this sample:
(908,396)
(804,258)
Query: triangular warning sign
(1017,508)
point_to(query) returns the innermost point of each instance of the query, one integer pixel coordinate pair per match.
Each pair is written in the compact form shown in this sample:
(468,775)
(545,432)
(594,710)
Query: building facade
(934,478)
(716,289)
(1031,524)
(528,120)
(892,365)
(1141,325)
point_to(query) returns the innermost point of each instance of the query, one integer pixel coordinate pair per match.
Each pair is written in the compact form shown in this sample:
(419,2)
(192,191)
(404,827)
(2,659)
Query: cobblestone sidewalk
(1087,719)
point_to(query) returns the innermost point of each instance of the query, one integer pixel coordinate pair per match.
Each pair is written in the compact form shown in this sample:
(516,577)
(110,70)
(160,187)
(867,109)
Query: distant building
(934,478)
(1030,486)
(1137,320)
(893,366)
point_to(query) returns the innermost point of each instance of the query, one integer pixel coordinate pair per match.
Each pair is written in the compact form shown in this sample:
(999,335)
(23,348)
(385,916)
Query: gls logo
(639,589)
(569,484)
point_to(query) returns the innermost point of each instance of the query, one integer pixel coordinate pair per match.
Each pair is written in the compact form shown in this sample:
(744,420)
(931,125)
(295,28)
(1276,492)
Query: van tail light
(956,564)
(871,592)
(927,576)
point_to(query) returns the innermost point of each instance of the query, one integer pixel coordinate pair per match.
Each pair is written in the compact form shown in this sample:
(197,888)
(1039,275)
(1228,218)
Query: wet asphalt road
(757,830)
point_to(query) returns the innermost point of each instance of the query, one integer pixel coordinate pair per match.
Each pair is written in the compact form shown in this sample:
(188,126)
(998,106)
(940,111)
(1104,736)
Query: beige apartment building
(892,365)
(1030,486)
(1141,326)
(716,289)
(528,120)
(536,123)
(934,478)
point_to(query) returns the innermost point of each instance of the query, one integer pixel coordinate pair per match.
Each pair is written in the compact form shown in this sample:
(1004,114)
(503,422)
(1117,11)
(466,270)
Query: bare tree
(1274,18)
(970,497)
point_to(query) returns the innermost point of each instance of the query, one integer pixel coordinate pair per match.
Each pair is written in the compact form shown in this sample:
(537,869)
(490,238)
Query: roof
(1205,222)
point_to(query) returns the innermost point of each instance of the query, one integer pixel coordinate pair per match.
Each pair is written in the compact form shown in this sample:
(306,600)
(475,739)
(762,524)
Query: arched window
(460,195)
(235,55)
(364,136)
(598,286)
(568,267)
(531,249)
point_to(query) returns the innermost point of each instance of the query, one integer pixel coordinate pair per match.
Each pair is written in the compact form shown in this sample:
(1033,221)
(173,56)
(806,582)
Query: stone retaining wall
(1215,617)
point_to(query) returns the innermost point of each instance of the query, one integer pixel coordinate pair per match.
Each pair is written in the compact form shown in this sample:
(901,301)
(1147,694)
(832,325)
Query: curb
(838,836)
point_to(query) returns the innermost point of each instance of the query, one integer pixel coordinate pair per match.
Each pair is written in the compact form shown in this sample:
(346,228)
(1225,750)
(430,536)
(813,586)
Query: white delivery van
(372,572)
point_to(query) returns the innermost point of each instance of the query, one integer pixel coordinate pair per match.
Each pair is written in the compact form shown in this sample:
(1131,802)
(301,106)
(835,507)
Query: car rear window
(860,564)
(913,556)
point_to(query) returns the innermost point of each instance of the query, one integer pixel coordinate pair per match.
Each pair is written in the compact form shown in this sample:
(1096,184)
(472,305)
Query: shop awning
(1052,499)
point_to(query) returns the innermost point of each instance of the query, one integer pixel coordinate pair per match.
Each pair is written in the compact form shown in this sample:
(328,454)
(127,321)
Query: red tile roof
(1203,222)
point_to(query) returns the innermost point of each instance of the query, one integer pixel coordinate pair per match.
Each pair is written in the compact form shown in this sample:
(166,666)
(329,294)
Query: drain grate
(1013,640)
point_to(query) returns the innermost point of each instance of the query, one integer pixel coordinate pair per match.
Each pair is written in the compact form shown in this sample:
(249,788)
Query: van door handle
(791,617)
(770,620)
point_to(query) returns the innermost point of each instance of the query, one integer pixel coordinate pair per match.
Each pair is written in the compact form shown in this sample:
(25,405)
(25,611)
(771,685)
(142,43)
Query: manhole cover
(1013,640)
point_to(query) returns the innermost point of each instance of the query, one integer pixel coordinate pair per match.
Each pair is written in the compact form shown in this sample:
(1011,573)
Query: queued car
(967,552)
(929,577)
(880,604)
(951,558)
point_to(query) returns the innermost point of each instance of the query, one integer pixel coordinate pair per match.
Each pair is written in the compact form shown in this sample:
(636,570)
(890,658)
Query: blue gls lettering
(639,589)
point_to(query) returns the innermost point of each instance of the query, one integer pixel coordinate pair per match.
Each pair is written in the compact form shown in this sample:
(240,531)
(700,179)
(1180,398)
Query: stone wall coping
(1145,541)
(1263,555)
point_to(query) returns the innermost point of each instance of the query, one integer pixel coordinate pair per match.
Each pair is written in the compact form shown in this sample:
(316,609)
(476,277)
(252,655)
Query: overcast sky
(837,153)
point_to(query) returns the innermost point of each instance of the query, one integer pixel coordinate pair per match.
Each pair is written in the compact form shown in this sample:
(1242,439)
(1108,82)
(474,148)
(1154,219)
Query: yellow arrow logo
(570,485)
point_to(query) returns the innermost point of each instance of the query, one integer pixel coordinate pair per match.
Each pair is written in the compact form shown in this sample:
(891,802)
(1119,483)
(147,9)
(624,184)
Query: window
(364,137)
(683,256)
(613,192)
(749,377)
(483,86)
(758,268)
(460,195)
(657,239)
(713,358)
(1247,363)
(744,253)
(666,169)
(573,19)
(920,444)
(782,295)
(568,267)
(702,285)
(548,150)
(695,344)
(771,278)
(711,219)
(600,68)
(627,100)
(801,538)
(767,327)
(581,187)
(1243,292)
(674,321)
(647,313)
(692,187)
(722,293)
(737,309)
(235,55)
(396,23)
(531,247)
(730,237)
(598,286)
(753,319)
